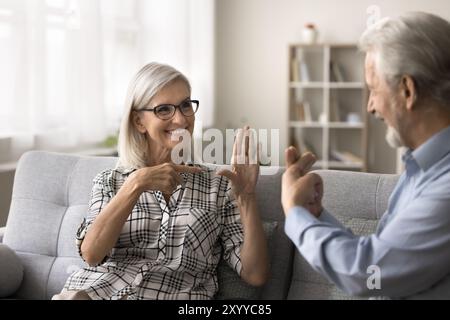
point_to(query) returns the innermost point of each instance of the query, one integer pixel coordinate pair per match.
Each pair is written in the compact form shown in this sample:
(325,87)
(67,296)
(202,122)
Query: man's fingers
(309,164)
(183,168)
(291,156)
(305,163)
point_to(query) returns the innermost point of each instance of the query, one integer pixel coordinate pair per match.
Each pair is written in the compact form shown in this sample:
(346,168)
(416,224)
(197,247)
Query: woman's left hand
(245,164)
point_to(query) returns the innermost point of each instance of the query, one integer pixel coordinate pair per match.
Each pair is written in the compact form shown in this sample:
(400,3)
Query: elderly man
(408,74)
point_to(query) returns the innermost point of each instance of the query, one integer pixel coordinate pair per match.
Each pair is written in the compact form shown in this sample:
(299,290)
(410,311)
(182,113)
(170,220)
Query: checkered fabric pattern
(166,250)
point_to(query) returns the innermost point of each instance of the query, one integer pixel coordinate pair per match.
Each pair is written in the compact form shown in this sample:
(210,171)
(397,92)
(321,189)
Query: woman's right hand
(165,177)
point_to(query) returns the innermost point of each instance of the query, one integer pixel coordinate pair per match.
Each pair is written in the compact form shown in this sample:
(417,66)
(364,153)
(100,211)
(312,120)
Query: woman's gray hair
(133,145)
(416,44)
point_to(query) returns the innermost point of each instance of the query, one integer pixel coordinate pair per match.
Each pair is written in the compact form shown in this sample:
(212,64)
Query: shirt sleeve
(101,194)
(232,236)
(325,216)
(411,252)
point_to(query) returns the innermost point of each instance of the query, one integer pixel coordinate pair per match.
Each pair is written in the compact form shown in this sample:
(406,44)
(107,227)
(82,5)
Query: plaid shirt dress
(165,250)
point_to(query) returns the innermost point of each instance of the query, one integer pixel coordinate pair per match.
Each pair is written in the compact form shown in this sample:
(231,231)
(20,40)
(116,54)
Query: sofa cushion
(52,191)
(11,271)
(231,287)
(360,213)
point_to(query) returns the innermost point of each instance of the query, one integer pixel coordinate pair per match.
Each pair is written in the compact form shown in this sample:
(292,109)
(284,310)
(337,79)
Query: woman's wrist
(134,184)
(246,198)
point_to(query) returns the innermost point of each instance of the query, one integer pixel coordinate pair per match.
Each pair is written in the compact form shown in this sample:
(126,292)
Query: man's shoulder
(436,183)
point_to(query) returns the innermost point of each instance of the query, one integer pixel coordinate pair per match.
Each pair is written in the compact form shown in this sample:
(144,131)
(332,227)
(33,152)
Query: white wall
(252,66)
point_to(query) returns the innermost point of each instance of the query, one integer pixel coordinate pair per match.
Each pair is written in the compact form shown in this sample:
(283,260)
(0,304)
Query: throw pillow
(11,271)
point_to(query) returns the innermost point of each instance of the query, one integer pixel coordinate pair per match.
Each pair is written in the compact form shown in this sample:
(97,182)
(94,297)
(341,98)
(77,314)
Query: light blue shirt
(411,246)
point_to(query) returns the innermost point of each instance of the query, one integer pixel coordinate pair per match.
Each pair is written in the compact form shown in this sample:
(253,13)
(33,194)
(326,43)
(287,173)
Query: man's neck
(427,124)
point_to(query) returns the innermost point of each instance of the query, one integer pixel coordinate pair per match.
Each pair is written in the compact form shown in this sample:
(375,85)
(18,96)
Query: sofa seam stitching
(45,255)
(48,276)
(376,197)
(69,180)
(45,201)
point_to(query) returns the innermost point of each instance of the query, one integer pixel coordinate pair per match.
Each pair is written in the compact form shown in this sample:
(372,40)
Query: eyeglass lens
(187,108)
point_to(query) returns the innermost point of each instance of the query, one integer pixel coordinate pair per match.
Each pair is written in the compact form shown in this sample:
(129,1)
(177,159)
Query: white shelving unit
(327,103)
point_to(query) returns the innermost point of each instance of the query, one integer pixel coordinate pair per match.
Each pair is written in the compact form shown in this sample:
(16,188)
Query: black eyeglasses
(166,111)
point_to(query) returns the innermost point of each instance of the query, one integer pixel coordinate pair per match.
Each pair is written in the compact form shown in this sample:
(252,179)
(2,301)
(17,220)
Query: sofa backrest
(50,199)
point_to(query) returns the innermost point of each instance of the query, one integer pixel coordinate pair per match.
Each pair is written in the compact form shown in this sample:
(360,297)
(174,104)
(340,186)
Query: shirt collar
(129,170)
(432,150)
(125,171)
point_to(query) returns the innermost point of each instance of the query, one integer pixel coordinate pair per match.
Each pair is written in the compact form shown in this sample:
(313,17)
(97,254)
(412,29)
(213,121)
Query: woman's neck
(158,155)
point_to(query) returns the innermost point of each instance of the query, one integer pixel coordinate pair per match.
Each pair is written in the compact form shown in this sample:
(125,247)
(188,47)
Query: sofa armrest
(2,232)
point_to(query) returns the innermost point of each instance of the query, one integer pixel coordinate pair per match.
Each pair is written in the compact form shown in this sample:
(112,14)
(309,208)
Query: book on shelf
(335,110)
(302,112)
(302,66)
(307,111)
(299,112)
(304,71)
(295,75)
(299,71)
(345,156)
(337,74)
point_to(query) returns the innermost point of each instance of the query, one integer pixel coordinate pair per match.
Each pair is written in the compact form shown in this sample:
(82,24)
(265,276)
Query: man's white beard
(393,138)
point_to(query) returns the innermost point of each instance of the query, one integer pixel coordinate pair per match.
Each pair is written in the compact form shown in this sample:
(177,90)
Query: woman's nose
(178,117)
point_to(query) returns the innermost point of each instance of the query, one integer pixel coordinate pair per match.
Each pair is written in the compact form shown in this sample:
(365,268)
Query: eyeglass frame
(196,102)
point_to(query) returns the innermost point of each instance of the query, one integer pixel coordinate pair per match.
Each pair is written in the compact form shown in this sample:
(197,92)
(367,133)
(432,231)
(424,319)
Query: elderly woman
(156,229)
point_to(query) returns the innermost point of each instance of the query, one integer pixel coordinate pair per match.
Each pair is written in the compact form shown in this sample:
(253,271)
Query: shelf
(347,85)
(345,165)
(332,125)
(300,124)
(308,85)
(325,85)
(337,165)
(319,164)
(345,125)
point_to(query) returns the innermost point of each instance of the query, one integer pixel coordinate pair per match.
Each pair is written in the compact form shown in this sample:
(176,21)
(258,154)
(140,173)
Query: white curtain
(181,33)
(65,65)
(53,84)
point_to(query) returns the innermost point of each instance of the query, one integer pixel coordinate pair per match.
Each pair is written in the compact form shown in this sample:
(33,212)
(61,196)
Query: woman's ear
(408,91)
(137,122)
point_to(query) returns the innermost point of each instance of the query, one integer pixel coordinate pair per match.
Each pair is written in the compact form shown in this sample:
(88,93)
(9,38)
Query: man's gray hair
(133,145)
(416,44)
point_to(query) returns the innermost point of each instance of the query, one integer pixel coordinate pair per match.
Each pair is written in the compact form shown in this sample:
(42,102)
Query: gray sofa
(51,194)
